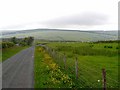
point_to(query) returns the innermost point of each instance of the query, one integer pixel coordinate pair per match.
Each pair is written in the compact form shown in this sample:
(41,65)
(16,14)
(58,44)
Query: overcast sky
(59,14)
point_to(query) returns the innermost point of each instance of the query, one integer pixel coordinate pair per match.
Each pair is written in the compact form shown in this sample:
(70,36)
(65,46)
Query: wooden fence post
(50,52)
(56,55)
(64,58)
(104,78)
(76,68)
(53,54)
(47,49)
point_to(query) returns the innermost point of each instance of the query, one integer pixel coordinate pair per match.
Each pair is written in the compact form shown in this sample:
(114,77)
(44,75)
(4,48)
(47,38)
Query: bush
(105,46)
(117,47)
(23,44)
(7,44)
(108,47)
(91,45)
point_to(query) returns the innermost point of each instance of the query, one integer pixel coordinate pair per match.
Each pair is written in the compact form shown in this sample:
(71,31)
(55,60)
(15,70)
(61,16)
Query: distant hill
(64,35)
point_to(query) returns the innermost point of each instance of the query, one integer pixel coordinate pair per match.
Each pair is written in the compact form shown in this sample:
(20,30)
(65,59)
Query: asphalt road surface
(17,71)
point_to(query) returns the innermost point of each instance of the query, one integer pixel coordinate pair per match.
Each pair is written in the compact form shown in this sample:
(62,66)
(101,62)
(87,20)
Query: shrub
(117,47)
(91,45)
(109,46)
(105,46)
(22,44)
(7,44)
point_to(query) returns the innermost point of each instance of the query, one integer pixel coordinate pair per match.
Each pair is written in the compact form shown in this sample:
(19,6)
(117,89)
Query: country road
(17,71)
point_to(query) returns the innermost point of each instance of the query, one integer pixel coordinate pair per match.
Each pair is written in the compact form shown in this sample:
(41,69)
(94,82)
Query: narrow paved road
(17,71)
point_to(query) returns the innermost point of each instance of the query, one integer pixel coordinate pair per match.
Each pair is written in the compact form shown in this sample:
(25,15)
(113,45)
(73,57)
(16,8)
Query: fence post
(50,52)
(53,54)
(64,58)
(56,55)
(104,78)
(76,68)
(47,49)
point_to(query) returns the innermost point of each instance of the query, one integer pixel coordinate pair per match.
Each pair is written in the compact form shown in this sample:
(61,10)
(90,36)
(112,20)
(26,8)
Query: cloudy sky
(59,14)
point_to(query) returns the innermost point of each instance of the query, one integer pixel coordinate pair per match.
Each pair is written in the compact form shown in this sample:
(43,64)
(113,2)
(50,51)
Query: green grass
(90,70)
(91,61)
(47,74)
(39,67)
(66,35)
(0,55)
(8,52)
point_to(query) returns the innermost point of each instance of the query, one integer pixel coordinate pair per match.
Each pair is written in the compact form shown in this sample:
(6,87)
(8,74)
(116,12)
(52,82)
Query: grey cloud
(85,19)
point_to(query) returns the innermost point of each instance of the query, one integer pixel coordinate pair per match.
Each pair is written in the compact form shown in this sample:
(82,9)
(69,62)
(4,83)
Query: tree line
(10,42)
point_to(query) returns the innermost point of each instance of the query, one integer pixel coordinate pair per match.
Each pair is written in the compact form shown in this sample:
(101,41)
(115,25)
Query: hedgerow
(7,44)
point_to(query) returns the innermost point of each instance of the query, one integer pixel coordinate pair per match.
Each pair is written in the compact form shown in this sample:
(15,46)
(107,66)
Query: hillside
(64,35)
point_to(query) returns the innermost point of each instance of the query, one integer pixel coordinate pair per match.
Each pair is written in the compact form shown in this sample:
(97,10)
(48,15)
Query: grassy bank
(8,52)
(47,73)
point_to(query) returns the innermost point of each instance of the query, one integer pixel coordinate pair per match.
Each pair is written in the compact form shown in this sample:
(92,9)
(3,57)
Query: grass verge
(47,73)
(8,52)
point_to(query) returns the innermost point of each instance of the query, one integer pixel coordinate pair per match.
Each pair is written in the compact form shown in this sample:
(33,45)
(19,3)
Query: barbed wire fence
(77,72)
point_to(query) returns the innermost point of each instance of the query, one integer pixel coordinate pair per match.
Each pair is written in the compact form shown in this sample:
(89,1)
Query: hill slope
(64,35)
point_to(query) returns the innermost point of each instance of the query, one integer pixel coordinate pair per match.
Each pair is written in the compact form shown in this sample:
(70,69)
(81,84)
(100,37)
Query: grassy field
(8,52)
(65,35)
(92,58)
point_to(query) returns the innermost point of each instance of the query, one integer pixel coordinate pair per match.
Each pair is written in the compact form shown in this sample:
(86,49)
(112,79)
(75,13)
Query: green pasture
(92,58)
